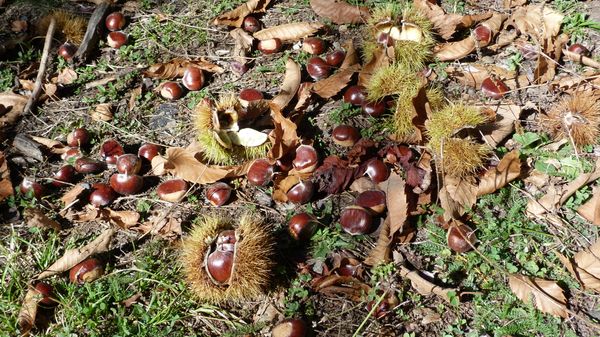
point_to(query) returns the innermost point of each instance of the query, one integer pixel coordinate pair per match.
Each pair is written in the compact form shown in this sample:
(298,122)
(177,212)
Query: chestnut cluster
(114,23)
(317,67)
(357,219)
(193,79)
(357,96)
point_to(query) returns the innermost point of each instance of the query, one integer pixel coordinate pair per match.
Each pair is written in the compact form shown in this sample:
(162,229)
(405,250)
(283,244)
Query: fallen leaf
(340,12)
(12,106)
(351,57)
(508,169)
(28,311)
(332,85)
(334,175)
(66,76)
(457,196)
(382,250)
(72,257)
(423,286)
(396,201)
(6,188)
(290,85)
(539,21)
(289,31)
(184,164)
(73,193)
(281,185)
(243,44)
(548,295)
(508,4)
(378,60)
(235,17)
(102,112)
(504,124)
(348,286)
(591,209)
(37,218)
(123,219)
(447,24)
(284,136)
(54,146)
(163,224)
(585,266)
(176,68)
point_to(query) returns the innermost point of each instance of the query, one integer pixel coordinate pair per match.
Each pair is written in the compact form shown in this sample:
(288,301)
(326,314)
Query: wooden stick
(37,88)
(590,62)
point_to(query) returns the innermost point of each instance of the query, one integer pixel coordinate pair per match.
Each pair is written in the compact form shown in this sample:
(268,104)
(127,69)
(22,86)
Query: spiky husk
(461,157)
(394,79)
(404,113)
(253,259)
(69,27)
(576,117)
(444,122)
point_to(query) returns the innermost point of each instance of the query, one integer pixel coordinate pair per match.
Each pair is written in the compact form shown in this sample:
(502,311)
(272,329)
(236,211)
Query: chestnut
(249,95)
(102,195)
(219,265)
(356,220)
(302,226)
(171,90)
(64,175)
(32,188)
(110,150)
(78,138)
(495,89)
(238,67)
(336,58)
(355,95)
(483,35)
(291,327)
(67,51)
(46,291)
(260,172)
(373,200)
(193,78)
(579,49)
(460,238)
(306,159)
(251,24)
(116,39)
(172,190)
(385,39)
(346,268)
(226,240)
(115,21)
(89,165)
(71,153)
(313,45)
(86,271)
(377,170)
(218,194)
(129,164)
(269,46)
(374,109)
(148,151)
(301,193)
(317,68)
(126,184)
(345,135)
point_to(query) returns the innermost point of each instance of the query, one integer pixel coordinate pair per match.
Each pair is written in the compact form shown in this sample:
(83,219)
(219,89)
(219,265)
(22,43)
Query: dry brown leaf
(539,21)
(585,267)
(423,286)
(135,93)
(548,296)
(460,195)
(348,286)
(123,219)
(381,252)
(6,188)
(66,76)
(504,125)
(396,201)
(243,44)
(289,31)
(284,136)
(131,300)
(236,16)
(28,311)
(290,85)
(184,164)
(163,224)
(176,68)
(71,257)
(73,193)
(12,107)
(508,169)
(508,4)
(332,85)
(103,112)
(340,12)
(37,218)
(54,146)
(591,209)
(351,57)
(282,185)
(447,24)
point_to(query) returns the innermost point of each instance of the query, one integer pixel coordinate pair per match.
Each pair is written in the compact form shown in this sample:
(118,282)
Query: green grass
(575,23)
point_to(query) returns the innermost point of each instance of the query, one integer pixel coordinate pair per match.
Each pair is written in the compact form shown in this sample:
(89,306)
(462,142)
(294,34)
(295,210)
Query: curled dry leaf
(424,286)
(340,12)
(66,76)
(72,257)
(382,250)
(508,169)
(291,83)
(539,21)
(11,107)
(504,124)
(548,296)
(284,136)
(447,24)
(591,209)
(281,185)
(54,146)
(6,188)
(379,60)
(243,44)
(37,218)
(351,57)
(73,193)
(235,17)
(456,196)
(289,31)
(176,68)
(332,85)
(163,224)
(396,201)
(348,286)
(28,311)
(123,219)
(102,112)
(585,266)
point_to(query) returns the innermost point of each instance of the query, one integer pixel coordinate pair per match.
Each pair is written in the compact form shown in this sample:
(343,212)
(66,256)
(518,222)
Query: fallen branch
(588,61)
(37,88)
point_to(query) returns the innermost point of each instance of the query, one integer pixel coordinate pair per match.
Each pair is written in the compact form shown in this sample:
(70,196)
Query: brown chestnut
(78,137)
(218,194)
(269,46)
(249,95)
(129,164)
(110,150)
(460,238)
(374,109)
(102,195)
(302,226)
(345,135)
(260,172)
(172,190)
(377,170)
(67,51)
(71,153)
(89,165)
(46,292)
(483,35)
(251,24)
(356,220)
(306,159)
(115,21)
(116,39)
(317,68)
(148,151)
(193,78)
(219,265)
(313,45)
(292,327)
(495,89)
(171,90)
(32,188)
(301,193)
(579,49)
(126,184)
(86,271)
(373,200)
(63,176)
(336,58)
(355,95)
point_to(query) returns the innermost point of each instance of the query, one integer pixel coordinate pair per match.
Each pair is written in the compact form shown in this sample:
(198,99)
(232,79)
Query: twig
(37,88)
(590,62)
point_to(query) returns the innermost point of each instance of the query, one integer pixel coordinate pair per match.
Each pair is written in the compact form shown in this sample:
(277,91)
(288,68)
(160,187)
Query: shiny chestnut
(148,151)
(373,200)
(193,78)
(495,89)
(460,238)
(172,190)
(218,194)
(270,46)
(291,327)
(374,109)
(86,271)
(251,24)
(78,138)
(30,187)
(313,45)
(377,170)
(306,159)
(260,172)
(64,176)
(126,184)
(356,220)
(171,91)
(110,150)
(335,58)
(345,135)
(116,39)
(102,195)
(115,21)
(355,95)
(46,292)
(317,68)
(67,51)
(219,265)
(302,226)
(301,193)
(88,165)
(129,164)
